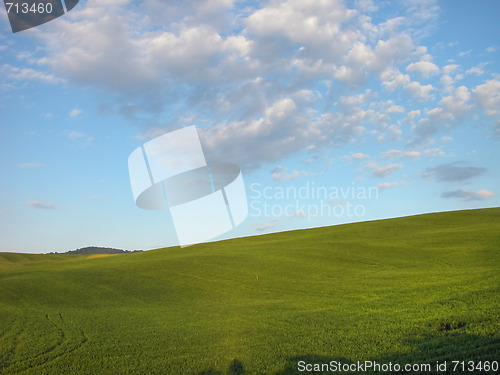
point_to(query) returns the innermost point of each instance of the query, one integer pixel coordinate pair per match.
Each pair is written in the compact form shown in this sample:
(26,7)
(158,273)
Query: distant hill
(99,250)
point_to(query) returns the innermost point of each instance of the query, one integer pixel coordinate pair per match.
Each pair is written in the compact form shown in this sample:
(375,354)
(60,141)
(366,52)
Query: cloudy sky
(336,111)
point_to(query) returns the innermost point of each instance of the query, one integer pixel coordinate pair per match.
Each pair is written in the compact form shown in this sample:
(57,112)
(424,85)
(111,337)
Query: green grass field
(412,290)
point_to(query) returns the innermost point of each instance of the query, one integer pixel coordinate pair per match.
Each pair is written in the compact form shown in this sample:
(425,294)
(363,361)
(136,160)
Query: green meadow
(416,290)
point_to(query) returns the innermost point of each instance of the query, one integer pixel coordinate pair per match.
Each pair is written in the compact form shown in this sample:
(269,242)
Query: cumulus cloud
(27,74)
(435,151)
(315,25)
(366,5)
(395,109)
(359,156)
(450,76)
(388,185)
(395,154)
(266,81)
(422,16)
(488,96)
(453,172)
(477,70)
(467,195)
(412,115)
(465,53)
(281,174)
(75,112)
(425,68)
(450,112)
(393,79)
(383,171)
(282,130)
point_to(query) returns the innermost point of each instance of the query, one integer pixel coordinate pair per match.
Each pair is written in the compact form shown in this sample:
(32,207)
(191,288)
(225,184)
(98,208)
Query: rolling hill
(414,290)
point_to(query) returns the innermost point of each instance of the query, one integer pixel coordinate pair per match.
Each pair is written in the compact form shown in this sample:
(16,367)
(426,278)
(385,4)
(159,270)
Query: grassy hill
(412,290)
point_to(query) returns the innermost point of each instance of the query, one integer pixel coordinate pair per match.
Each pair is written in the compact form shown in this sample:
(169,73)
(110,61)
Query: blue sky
(335,111)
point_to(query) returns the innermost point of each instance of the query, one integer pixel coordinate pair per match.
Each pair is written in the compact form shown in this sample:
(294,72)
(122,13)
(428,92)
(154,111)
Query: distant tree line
(97,250)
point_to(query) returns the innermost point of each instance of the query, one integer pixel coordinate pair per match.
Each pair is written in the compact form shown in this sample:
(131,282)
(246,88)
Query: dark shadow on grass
(236,368)
(428,349)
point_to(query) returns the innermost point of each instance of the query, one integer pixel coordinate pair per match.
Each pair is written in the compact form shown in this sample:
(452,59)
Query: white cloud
(433,152)
(394,132)
(393,80)
(457,105)
(451,110)
(359,156)
(412,115)
(366,5)
(419,91)
(395,109)
(395,154)
(314,24)
(348,103)
(451,68)
(280,174)
(447,79)
(422,16)
(28,74)
(280,131)
(75,112)
(425,68)
(477,70)
(144,65)
(363,59)
(266,82)
(383,171)
(488,97)
(388,185)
